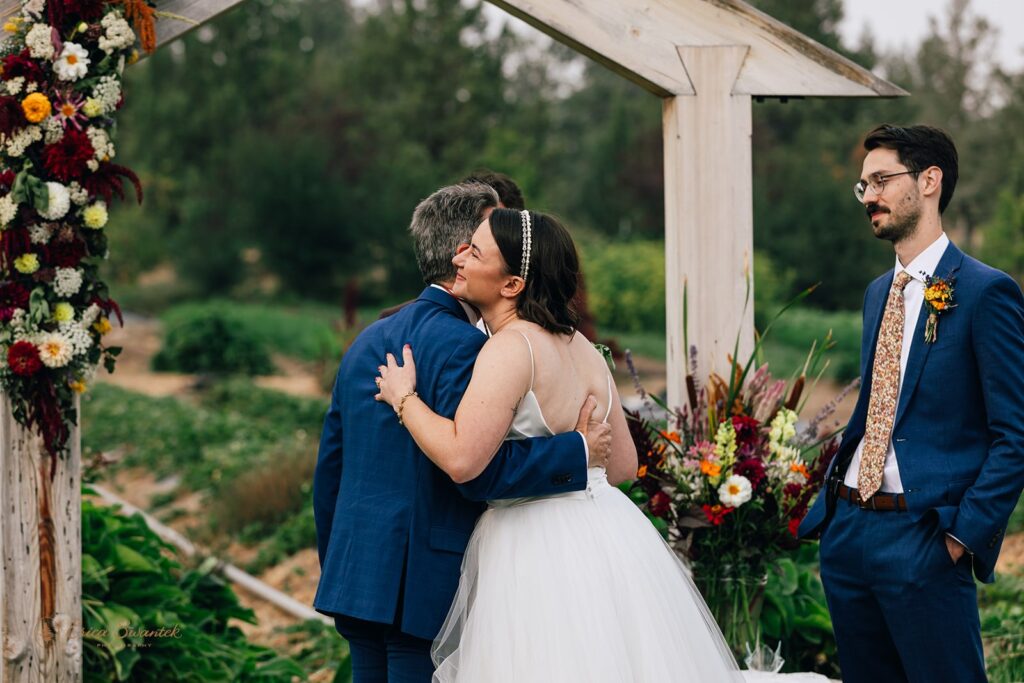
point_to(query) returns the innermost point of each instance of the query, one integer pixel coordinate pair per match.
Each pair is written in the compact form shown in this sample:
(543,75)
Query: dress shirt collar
(474,317)
(927,261)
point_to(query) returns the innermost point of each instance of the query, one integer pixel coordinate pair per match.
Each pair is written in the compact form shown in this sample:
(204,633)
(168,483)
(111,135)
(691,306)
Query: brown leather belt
(882,502)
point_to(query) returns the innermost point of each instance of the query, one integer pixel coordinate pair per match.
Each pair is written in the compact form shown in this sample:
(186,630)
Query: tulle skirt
(577,587)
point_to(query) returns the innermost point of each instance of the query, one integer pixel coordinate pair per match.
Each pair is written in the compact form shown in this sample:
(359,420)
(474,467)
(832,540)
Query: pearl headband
(524,269)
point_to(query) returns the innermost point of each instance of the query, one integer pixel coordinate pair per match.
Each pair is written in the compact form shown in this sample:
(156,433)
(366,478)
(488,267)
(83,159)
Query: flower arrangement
(938,298)
(60,87)
(728,477)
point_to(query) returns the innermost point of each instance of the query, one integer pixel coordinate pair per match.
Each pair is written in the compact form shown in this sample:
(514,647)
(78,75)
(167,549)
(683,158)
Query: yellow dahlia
(63,312)
(36,107)
(27,264)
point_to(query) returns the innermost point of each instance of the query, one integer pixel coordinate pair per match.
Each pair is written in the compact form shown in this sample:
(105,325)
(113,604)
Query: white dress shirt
(913,300)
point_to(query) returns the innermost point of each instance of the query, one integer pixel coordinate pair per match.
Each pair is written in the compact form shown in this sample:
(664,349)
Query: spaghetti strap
(610,396)
(531,357)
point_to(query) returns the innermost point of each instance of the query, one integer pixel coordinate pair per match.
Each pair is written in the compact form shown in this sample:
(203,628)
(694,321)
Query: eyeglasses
(876,183)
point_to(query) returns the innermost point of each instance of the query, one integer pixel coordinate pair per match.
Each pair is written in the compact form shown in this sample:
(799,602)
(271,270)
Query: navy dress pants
(901,610)
(381,653)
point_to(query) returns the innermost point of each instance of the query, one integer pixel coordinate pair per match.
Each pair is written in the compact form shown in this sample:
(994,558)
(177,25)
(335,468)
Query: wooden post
(40,558)
(709,235)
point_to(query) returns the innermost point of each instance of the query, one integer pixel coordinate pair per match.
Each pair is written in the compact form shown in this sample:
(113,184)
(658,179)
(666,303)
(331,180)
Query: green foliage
(130,584)
(296,533)
(1004,235)
(305,332)
(626,284)
(1002,628)
(801,325)
(235,427)
(795,613)
(209,342)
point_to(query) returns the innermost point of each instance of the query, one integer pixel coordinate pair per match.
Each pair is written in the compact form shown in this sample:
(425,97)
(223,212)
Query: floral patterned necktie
(885,389)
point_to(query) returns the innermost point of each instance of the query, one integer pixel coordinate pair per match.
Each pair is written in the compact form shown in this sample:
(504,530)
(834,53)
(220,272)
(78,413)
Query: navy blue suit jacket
(959,427)
(391,525)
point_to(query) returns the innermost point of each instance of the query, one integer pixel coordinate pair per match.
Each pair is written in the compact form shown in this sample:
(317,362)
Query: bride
(572,587)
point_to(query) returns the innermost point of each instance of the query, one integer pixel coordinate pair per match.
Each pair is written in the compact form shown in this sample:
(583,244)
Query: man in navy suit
(932,462)
(391,526)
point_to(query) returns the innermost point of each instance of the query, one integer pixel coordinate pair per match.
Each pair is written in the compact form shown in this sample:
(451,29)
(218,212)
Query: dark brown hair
(919,147)
(553,272)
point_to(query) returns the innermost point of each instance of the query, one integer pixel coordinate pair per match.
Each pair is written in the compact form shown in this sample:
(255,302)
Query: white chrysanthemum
(53,130)
(17,143)
(67,281)
(33,9)
(735,491)
(119,34)
(108,93)
(39,41)
(31,87)
(60,202)
(92,165)
(8,210)
(40,234)
(78,336)
(55,350)
(15,85)
(79,195)
(101,144)
(73,62)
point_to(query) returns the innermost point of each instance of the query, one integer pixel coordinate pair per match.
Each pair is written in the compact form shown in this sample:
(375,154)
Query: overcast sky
(898,24)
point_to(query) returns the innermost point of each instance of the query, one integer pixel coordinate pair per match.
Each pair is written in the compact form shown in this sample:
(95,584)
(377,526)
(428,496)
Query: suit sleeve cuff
(586,449)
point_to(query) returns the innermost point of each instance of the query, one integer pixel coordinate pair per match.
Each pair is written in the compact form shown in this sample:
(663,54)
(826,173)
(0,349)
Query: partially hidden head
(509,194)
(525,258)
(444,221)
(907,169)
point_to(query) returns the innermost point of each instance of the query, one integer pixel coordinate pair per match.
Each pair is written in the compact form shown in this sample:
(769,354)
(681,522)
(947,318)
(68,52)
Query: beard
(901,224)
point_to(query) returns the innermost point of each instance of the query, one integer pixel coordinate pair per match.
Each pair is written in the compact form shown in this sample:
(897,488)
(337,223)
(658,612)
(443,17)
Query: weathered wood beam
(709,215)
(40,558)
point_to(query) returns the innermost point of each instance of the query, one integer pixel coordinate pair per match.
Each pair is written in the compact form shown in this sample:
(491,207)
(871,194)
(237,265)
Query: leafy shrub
(626,284)
(1002,628)
(296,533)
(305,332)
(129,579)
(795,613)
(210,341)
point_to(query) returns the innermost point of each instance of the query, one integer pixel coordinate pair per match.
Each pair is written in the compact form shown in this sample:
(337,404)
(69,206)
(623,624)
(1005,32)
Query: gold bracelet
(401,405)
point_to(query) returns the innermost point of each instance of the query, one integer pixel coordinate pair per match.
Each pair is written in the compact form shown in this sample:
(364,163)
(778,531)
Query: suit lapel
(948,265)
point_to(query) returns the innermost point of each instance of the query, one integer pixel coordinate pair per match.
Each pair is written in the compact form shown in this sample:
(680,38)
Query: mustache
(874,208)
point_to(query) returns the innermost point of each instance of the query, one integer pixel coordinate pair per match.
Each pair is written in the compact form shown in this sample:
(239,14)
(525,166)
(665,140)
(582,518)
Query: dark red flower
(752,469)
(7,177)
(716,513)
(746,429)
(12,116)
(90,10)
(12,296)
(107,181)
(792,490)
(22,65)
(65,254)
(66,159)
(794,525)
(659,504)
(23,358)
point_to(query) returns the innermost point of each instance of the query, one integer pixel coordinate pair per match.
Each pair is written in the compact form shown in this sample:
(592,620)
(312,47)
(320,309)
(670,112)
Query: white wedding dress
(576,587)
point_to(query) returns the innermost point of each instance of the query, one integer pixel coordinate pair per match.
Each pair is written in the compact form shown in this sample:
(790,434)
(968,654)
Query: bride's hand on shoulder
(396,381)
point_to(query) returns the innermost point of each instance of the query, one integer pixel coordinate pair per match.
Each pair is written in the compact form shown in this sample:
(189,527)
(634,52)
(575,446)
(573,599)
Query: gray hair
(443,221)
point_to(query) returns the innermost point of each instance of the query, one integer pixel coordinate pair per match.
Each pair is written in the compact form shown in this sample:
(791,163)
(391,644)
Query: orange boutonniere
(938,298)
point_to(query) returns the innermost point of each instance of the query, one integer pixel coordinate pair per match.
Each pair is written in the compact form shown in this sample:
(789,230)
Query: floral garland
(60,86)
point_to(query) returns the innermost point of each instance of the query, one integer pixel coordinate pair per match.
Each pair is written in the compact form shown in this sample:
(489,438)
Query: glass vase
(735,599)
